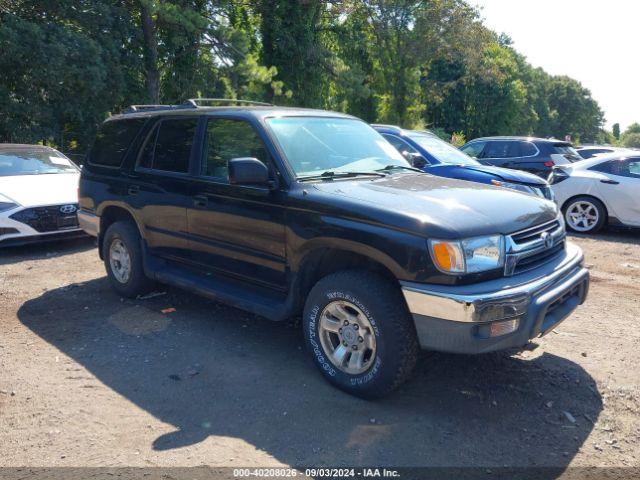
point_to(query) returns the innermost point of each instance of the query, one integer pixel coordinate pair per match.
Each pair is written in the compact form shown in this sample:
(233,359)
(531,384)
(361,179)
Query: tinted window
(474,149)
(229,139)
(604,167)
(634,167)
(399,144)
(528,149)
(626,168)
(113,140)
(502,149)
(168,148)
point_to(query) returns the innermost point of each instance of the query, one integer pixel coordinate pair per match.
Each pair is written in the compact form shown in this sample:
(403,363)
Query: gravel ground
(90,379)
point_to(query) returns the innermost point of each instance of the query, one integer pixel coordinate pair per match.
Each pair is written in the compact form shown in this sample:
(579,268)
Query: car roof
(256,111)
(528,139)
(4,147)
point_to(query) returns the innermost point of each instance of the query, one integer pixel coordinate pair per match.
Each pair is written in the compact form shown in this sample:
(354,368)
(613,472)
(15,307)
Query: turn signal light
(550,163)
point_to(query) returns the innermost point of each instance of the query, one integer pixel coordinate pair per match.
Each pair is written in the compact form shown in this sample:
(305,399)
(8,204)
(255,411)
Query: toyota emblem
(547,239)
(67,209)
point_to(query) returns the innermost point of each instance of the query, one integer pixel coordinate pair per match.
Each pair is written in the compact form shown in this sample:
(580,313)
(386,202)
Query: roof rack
(193,103)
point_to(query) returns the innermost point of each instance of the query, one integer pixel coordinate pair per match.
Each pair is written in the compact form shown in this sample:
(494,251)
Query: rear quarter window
(113,141)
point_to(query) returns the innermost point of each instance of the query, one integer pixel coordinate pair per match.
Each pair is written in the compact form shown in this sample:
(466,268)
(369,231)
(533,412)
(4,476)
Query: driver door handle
(610,182)
(134,189)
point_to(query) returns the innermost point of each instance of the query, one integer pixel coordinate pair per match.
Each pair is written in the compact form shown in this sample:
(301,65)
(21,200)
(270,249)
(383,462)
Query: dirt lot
(90,379)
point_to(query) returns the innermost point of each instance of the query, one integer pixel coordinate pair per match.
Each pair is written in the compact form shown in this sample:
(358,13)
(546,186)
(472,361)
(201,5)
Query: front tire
(360,333)
(122,253)
(584,214)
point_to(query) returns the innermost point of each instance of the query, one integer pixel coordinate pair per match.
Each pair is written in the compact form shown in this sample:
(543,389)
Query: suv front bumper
(459,318)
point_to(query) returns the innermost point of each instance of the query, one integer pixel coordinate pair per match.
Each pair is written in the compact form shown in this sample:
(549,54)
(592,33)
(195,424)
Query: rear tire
(584,214)
(122,253)
(360,333)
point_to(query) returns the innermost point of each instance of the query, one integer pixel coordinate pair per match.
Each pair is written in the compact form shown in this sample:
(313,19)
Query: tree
(616,131)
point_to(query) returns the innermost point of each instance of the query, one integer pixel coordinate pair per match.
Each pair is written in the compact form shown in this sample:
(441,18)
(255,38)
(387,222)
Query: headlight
(468,256)
(515,186)
(6,203)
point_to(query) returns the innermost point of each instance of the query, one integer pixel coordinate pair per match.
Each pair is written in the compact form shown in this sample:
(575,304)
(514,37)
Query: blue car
(437,157)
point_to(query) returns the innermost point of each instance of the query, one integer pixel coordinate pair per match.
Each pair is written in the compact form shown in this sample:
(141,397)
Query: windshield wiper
(331,174)
(402,167)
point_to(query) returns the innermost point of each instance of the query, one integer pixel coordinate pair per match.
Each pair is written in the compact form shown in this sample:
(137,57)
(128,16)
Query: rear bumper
(458,318)
(89,222)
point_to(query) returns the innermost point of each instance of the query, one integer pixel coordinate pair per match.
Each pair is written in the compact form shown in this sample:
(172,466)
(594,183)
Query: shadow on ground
(212,370)
(629,236)
(36,251)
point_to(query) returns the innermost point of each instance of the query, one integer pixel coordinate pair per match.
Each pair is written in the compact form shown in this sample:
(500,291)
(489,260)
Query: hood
(510,175)
(37,190)
(442,207)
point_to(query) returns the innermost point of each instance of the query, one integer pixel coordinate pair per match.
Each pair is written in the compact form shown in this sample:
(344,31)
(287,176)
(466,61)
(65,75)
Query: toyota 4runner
(286,211)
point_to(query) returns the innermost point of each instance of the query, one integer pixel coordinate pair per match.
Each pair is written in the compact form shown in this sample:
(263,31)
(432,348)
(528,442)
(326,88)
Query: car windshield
(317,145)
(25,161)
(441,150)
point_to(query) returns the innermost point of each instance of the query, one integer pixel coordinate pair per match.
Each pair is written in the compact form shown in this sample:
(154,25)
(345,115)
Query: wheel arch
(110,214)
(323,260)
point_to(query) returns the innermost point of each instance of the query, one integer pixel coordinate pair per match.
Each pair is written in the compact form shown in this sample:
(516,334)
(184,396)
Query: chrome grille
(535,246)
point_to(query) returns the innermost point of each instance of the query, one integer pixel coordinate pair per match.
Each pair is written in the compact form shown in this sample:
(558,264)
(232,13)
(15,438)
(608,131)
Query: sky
(594,41)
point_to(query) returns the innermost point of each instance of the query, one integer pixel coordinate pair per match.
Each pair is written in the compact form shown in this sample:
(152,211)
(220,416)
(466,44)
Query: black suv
(535,155)
(286,212)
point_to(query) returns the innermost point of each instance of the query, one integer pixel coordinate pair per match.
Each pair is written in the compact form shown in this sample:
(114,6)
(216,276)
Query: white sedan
(38,194)
(601,190)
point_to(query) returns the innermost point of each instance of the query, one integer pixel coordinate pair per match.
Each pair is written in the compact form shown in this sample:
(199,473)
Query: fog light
(497,329)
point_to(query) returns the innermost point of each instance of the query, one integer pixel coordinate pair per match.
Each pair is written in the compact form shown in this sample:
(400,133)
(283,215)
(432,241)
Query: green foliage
(616,131)
(66,65)
(631,140)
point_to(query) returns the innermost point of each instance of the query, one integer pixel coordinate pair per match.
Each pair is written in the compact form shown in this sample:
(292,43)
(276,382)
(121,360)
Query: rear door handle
(133,189)
(200,200)
(610,182)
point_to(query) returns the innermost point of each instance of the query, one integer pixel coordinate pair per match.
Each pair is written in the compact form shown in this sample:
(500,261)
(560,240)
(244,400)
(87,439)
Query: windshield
(441,150)
(314,145)
(24,161)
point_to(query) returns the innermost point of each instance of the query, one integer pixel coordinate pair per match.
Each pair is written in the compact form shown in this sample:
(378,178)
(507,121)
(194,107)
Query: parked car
(599,191)
(38,195)
(535,155)
(285,212)
(437,157)
(589,151)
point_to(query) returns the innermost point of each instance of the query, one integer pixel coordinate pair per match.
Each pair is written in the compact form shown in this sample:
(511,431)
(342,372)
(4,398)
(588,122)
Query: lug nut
(356,326)
(360,339)
(355,347)
(346,322)
(340,330)
(344,343)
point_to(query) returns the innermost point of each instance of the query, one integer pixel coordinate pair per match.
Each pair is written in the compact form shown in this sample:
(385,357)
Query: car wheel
(360,332)
(122,255)
(585,214)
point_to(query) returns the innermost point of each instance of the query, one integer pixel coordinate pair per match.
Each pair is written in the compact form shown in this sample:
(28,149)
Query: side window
(502,149)
(399,144)
(474,149)
(605,167)
(528,149)
(228,139)
(626,168)
(113,140)
(634,167)
(168,147)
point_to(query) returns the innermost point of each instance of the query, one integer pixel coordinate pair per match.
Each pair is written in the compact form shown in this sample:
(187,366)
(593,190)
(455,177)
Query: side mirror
(415,159)
(248,171)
